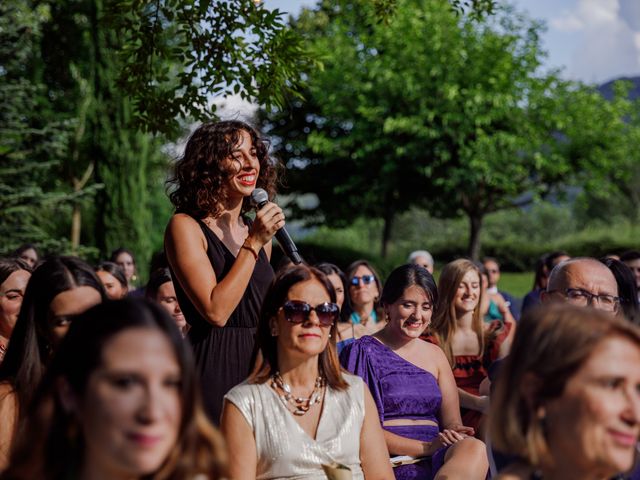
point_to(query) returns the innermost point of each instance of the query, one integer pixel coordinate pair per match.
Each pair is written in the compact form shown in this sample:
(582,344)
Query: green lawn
(517,284)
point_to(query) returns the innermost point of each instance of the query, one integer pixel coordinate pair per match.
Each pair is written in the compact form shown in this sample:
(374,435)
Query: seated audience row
(404,401)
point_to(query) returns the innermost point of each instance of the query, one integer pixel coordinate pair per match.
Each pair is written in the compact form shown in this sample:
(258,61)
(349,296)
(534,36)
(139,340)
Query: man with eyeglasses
(584,282)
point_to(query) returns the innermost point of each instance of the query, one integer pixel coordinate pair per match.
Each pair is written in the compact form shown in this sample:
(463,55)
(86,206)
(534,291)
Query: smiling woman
(568,400)
(119,401)
(413,386)
(219,258)
(300,411)
(469,346)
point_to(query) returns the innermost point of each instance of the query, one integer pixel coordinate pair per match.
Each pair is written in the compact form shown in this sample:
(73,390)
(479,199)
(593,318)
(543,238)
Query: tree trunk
(76,222)
(386,232)
(475,222)
(76,215)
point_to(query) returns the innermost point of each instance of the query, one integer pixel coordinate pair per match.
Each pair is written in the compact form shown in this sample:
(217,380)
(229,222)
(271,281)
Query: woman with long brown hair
(59,289)
(219,258)
(413,387)
(469,346)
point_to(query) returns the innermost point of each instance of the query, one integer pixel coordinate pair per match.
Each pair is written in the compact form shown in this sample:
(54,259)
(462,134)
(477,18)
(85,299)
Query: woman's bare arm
(186,249)
(241,444)
(374,456)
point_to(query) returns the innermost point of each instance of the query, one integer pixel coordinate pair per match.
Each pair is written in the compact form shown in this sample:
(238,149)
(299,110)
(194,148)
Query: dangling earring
(274,332)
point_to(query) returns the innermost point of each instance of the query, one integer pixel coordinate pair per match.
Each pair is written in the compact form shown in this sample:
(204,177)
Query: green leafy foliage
(32,145)
(177,56)
(430,110)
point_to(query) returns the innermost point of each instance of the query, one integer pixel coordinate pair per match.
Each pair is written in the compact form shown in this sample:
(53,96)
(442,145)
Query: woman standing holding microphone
(219,257)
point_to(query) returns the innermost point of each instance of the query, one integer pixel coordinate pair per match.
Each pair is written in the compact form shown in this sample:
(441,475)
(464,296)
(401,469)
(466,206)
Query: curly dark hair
(200,175)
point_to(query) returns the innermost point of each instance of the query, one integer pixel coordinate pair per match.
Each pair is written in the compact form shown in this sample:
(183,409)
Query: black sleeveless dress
(223,354)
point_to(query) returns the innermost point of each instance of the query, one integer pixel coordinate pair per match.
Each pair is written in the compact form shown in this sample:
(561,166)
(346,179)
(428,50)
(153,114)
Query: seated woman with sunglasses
(413,386)
(300,411)
(364,289)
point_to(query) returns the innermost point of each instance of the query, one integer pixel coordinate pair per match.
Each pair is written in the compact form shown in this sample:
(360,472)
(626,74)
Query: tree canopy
(430,109)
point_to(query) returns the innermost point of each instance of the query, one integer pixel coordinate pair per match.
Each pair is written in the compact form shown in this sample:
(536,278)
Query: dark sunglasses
(366,279)
(297,311)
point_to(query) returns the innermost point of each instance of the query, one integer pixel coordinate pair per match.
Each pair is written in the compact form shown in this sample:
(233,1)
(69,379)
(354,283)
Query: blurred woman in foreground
(567,402)
(59,289)
(120,401)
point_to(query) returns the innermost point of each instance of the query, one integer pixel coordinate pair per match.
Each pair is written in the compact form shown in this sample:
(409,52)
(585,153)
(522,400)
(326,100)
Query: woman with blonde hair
(567,402)
(469,346)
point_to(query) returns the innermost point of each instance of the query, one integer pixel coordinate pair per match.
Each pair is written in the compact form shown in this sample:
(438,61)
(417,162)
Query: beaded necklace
(297,405)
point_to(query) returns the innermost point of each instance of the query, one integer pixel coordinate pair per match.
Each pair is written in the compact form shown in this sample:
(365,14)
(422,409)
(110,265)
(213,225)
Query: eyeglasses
(297,311)
(366,280)
(582,298)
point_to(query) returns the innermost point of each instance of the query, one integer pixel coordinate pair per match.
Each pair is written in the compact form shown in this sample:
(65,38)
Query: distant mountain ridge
(606,89)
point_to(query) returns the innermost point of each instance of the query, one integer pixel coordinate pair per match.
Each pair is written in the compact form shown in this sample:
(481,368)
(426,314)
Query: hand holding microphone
(260,198)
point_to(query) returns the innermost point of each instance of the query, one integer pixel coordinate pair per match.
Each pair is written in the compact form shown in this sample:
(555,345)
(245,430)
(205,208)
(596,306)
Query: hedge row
(513,256)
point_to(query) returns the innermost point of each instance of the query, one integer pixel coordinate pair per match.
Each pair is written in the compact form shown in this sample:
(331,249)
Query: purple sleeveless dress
(400,390)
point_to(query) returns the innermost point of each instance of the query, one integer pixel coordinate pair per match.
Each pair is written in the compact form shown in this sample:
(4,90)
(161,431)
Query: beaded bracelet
(251,249)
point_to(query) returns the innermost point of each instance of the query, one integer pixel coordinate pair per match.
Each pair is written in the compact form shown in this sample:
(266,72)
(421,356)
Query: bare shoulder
(5,389)
(180,221)
(434,351)
(183,230)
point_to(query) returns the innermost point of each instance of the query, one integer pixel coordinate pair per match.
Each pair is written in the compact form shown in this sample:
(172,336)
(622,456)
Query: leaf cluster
(32,145)
(179,55)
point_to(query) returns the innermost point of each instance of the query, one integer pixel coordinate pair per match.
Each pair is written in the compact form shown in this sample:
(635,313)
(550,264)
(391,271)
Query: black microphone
(259,199)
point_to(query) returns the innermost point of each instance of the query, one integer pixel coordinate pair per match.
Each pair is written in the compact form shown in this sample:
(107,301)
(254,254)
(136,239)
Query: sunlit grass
(517,284)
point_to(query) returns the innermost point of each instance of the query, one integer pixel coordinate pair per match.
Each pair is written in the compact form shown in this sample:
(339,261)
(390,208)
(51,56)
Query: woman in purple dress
(413,386)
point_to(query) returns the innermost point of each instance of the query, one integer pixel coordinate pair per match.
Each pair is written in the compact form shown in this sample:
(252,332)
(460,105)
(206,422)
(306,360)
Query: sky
(590,40)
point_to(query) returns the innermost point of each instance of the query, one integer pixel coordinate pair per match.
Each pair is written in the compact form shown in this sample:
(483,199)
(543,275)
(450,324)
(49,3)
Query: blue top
(355,318)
